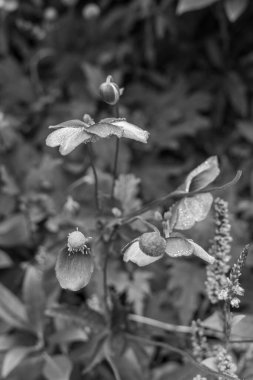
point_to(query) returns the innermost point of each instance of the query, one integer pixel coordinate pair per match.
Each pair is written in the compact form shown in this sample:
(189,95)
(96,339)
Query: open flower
(69,134)
(74,264)
(189,210)
(151,246)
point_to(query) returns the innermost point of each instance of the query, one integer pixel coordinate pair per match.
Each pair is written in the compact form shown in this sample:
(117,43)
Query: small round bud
(77,242)
(152,244)
(109,91)
(90,11)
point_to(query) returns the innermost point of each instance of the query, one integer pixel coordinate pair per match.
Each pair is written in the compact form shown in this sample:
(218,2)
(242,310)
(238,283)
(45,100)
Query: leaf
(243,329)
(5,260)
(138,289)
(237,93)
(234,8)
(57,367)
(210,363)
(13,358)
(7,182)
(14,231)
(34,298)
(186,285)
(214,322)
(94,77)
(69,335)
(12,309)
(192,5)
(126,190)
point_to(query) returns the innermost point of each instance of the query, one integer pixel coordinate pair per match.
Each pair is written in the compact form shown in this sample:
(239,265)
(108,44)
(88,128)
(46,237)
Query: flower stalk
(91,155)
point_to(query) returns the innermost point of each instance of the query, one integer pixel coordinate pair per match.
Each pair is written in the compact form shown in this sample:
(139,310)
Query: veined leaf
(13,358)
(34,297)
(12,309)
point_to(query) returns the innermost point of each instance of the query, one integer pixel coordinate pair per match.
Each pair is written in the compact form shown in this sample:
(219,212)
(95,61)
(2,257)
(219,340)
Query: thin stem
(91,155)
(116,156)
(201,367)
(105,285)
(113,367)
(227,321)
(150,225)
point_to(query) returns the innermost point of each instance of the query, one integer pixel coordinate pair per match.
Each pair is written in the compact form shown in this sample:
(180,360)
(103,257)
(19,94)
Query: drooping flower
(69,134)
(189,210)
(74,264)
(151,246)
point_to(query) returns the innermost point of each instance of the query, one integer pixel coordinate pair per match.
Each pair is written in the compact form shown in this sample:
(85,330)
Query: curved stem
(116,155)
(150,225)
(113,367)
(90,151)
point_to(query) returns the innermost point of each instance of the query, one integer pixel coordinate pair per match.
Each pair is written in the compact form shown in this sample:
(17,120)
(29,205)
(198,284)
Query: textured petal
(70,123)
(200,252)
(131,131)
(190,210)
(104,130)
(73,271)
(134,253)
(202,175)
(177,247)
(68,139)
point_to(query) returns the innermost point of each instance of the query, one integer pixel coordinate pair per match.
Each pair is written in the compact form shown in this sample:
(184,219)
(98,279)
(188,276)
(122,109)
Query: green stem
(227,322)
(116,155)
(91,155)
(113,367)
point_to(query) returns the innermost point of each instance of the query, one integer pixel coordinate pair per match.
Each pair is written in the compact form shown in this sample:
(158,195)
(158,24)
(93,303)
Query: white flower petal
(67,138)
(134,253)
(104,130)
(176,247)
(200,252)
(70,123)
(131,131)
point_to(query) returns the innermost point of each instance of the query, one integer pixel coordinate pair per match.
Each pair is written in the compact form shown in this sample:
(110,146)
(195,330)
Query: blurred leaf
(34,298)
(126,190)
(243,329)
(5,260)
(237,93)
(69,335)
(210,363)
(246,130)
(95,77)
(14,231)
(57,367)
(7,182)
(186,286)
(234,8)
(13,358)
(12,309)
(191,5)
(7,342)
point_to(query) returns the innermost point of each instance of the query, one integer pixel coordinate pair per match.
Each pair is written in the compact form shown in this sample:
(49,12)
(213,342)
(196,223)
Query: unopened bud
(109,91)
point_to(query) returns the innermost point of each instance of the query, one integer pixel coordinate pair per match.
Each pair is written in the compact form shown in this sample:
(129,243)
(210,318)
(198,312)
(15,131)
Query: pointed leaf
(13,358)
(210,363)
(57,367)
(5,260)
(234,8)
(12,309)
(34,297)
(192,5)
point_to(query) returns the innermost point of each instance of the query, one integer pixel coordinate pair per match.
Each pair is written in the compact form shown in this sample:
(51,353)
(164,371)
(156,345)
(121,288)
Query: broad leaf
(192,5)
(5,260)
(126,190)
(12,309)
(14,231)
(57,367)
(13,358)
(34,297)
(202,175)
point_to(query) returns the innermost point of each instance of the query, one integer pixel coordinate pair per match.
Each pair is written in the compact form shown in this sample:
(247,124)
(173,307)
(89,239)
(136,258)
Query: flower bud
(152,244)
(109,91)
(90,11)
(73,270)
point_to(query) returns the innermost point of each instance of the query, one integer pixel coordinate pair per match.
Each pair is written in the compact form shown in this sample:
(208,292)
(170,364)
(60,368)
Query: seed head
(152,244)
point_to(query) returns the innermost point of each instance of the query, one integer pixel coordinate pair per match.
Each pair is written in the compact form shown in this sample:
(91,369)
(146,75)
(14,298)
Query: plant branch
(116,156)
(176,195)
(167,346)
(91,155)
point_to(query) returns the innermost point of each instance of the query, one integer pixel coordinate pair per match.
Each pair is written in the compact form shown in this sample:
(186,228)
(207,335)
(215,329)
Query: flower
(74,264)
(110,91)
(189,210)
(69,134)
(151,246)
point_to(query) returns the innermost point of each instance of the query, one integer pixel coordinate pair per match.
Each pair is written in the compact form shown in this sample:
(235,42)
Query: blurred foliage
(187,70)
